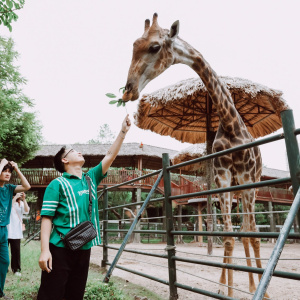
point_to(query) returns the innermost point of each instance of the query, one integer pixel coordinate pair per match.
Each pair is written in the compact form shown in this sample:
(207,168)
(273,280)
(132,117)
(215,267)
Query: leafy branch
(7,11)
(119,101)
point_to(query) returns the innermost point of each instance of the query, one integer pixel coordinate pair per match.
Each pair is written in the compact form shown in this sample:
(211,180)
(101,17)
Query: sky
(72,53)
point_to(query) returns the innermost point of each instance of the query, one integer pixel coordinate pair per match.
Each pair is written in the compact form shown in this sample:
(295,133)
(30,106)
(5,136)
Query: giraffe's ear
(174,30)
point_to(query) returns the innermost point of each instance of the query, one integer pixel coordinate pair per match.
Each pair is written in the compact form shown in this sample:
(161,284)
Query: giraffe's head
(152,54)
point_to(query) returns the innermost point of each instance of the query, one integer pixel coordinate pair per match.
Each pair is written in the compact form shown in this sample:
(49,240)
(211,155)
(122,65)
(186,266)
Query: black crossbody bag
(83,232)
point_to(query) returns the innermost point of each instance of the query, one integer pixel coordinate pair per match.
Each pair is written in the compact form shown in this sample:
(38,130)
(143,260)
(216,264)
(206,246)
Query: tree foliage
(31,197)
(105,136)
(20,132)
(7,11)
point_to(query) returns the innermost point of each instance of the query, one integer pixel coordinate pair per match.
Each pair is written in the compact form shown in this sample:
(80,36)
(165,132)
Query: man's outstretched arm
(115,147)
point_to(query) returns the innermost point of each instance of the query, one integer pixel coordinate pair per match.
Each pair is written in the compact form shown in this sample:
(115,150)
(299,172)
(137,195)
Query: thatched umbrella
(180,110)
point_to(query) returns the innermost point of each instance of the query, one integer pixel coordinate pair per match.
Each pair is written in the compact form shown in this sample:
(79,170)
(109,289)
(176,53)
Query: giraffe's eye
(154,48)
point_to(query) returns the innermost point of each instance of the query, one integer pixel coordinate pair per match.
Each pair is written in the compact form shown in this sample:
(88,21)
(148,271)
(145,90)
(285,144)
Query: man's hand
(115,147)
(45,261)
(15,165)
(126,124)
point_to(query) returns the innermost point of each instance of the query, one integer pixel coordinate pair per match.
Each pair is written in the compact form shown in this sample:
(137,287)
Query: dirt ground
(203,277)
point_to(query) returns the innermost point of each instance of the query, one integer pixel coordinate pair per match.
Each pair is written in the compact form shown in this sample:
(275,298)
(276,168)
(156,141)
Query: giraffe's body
(153,53)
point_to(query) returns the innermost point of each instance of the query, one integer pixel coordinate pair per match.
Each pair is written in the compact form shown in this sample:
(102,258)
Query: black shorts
(68,277)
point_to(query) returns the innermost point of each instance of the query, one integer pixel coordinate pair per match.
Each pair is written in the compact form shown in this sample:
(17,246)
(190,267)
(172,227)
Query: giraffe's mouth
(130,95)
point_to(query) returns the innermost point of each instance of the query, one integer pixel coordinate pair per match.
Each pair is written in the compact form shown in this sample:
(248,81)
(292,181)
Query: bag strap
(88,180)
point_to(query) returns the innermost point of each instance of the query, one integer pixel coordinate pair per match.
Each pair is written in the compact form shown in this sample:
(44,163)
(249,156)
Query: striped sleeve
(50,201)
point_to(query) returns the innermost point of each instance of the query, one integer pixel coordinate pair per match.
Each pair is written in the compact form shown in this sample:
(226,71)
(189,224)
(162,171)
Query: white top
(14,228)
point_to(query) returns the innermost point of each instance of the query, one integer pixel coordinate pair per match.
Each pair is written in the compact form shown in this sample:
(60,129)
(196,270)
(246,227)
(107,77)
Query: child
(6,196)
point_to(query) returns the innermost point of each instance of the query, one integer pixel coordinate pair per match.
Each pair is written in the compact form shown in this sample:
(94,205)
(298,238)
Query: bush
(102,291)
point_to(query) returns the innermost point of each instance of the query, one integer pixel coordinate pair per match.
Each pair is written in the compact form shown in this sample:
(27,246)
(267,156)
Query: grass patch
(128,289)
(26,287)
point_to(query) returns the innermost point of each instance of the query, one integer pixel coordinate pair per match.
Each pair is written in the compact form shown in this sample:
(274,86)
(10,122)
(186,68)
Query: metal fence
(294,164)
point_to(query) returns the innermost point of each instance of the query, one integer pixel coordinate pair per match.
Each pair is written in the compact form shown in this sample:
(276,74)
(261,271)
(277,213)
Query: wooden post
(272,223)
(179,224)
(137,236)
(133,200)
(215,222)
(169,223)
(200,224)
(104,228)
(295,229)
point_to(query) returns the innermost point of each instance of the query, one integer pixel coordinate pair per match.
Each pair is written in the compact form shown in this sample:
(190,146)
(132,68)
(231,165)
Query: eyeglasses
(68,153)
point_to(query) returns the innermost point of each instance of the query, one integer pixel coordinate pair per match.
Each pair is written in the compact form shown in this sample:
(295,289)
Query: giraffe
(153,53)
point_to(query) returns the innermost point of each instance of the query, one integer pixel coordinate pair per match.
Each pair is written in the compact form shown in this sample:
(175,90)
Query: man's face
(73,156)
(5,175)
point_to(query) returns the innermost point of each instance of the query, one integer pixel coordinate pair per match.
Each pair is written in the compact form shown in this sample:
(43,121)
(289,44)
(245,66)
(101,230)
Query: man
(6,196)
(65,205)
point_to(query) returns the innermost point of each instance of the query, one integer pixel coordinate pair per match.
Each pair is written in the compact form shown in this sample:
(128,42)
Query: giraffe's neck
(221,98)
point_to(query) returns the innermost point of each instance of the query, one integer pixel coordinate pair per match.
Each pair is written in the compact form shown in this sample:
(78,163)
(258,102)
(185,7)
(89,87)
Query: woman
(15,230)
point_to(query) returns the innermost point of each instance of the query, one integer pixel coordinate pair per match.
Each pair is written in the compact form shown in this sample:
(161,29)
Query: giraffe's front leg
(255,243)
(228,245)
(222,288)
(252,287)
(228,250)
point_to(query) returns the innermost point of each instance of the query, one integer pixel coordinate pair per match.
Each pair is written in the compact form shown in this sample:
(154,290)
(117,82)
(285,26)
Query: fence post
(292,150)
(294,164)
(104,228)
(169,227)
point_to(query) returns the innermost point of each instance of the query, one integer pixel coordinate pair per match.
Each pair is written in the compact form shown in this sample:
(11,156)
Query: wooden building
(135,160)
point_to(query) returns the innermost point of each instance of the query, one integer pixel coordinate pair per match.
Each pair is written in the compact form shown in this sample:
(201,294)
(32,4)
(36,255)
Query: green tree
(31,197)
(7,11)
(105,136)
(20,132)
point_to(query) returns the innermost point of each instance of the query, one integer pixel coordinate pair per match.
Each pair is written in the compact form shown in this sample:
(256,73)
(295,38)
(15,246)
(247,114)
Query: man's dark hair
(58,164)
(9,167)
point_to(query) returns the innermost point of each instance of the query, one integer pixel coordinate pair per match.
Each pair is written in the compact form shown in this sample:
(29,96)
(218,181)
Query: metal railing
(294,163)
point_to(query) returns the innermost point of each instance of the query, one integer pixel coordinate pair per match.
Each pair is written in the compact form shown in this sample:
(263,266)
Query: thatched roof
(179,110)
(189,153)
(94,153)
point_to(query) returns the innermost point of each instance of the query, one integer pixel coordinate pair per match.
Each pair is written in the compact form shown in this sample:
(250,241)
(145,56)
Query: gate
(294,164)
